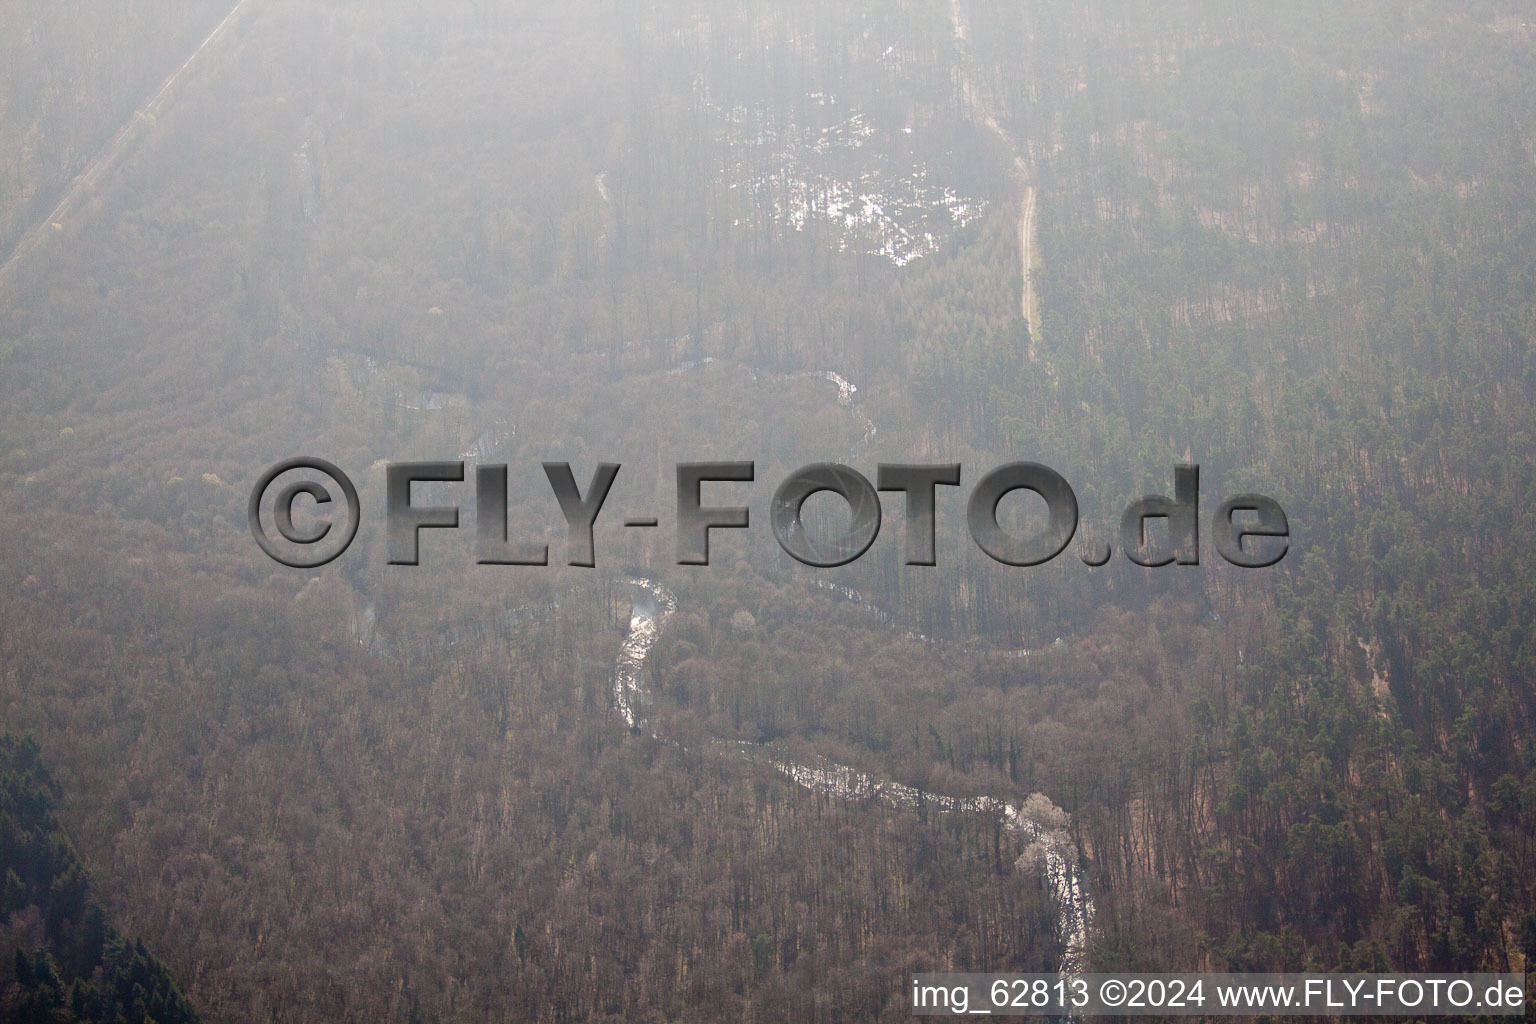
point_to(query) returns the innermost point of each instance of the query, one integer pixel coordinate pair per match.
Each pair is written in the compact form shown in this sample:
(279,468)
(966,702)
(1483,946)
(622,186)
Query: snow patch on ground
(846,177)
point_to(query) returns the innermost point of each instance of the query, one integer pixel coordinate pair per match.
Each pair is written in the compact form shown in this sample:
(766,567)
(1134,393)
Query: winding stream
(1039,823)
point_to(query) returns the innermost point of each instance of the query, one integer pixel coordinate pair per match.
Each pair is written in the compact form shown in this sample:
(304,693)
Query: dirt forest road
(976,100)
(86,184)
(1027,250)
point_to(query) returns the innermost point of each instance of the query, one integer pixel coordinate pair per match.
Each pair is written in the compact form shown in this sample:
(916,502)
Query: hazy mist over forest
(1292,243)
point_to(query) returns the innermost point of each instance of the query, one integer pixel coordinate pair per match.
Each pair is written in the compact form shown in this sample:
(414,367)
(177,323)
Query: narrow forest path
(1027,255)
(86,183)
(977,102)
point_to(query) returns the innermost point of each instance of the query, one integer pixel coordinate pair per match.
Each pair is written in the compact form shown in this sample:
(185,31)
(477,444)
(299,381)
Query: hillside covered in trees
(69,964)
(1294,244)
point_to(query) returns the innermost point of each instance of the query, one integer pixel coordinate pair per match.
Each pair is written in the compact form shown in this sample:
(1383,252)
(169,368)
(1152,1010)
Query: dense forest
(1294,244)
(69,963)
